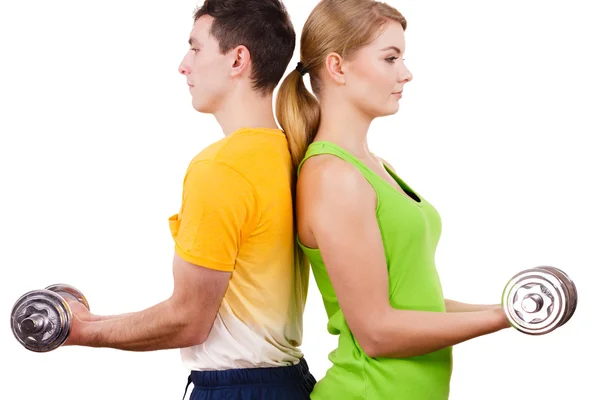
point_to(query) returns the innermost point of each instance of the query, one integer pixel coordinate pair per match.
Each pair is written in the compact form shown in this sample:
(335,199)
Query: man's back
(241,185)
(238,287)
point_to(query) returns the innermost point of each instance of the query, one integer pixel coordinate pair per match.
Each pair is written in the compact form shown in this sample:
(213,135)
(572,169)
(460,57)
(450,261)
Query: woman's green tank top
(410,230)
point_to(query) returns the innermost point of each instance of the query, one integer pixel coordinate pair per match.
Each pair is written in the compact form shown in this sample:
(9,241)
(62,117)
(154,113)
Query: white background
(498,130)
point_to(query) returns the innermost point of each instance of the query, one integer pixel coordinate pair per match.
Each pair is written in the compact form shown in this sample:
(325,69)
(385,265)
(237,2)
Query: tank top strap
(325,147)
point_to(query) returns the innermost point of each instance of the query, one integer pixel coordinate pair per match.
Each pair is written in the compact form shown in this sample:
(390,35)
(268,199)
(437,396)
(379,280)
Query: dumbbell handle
(34,323)
(532,303)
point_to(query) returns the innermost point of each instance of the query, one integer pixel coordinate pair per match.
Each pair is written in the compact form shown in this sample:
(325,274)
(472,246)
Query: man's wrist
(501,318)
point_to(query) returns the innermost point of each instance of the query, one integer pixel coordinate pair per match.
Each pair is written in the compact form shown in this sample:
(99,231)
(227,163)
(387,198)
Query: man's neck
(249,110)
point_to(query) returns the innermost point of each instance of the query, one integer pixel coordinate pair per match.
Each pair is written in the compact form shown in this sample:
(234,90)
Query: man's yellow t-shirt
(237,215)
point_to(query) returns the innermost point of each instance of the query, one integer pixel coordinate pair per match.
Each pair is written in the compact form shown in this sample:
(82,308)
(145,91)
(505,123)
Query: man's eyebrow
(193,41)
(397,50)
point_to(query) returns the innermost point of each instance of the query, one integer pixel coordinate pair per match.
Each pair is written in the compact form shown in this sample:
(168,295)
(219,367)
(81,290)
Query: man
(239,286)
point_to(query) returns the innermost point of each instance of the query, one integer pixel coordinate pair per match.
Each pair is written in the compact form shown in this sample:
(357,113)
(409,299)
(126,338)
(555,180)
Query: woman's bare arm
(338,206)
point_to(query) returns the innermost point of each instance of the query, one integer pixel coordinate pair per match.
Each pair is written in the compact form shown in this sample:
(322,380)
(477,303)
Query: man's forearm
(97,318)
(456,306)
(156,328)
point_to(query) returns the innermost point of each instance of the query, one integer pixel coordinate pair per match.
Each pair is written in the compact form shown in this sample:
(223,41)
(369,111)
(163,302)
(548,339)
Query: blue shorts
(278,383)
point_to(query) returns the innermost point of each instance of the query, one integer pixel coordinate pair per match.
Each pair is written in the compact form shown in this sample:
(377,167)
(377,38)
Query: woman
(370,237)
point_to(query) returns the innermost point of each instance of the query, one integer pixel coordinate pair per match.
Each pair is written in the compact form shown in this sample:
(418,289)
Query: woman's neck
(345,126)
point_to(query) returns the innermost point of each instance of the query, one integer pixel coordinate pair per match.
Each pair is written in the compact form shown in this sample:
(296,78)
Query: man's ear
(240,60)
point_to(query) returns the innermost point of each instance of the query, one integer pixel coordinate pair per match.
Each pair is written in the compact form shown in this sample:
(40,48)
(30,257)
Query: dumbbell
(539,300)
(41,319)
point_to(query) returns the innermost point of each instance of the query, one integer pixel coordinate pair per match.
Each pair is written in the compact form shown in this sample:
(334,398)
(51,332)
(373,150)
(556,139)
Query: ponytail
(299,114)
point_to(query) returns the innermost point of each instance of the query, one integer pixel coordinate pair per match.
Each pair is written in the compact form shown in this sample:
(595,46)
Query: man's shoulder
(247,142)
(247,151)
(247,148)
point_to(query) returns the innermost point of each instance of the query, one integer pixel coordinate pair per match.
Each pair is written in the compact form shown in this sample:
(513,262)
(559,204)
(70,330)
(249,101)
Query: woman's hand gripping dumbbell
(539,300)
(41,320)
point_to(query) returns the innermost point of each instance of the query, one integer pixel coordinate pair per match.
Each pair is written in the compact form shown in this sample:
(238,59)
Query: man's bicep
(219,206)
(198,292)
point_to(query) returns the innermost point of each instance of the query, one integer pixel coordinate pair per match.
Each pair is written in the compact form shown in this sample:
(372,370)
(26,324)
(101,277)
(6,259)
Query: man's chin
(201,107)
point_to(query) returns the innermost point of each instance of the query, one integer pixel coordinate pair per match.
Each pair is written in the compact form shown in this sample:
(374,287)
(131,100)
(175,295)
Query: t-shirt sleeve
(217,213)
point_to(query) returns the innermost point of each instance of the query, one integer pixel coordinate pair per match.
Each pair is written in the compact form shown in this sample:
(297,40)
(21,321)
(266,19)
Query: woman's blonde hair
(340,26)
(334,26)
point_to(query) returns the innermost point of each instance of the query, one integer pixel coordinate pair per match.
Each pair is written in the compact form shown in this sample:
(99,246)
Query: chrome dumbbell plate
(41,319)
(68,291)
(571,291)
(539,300)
